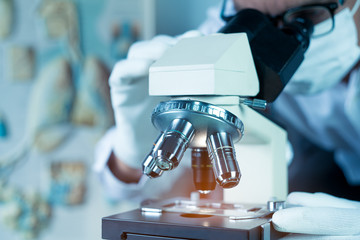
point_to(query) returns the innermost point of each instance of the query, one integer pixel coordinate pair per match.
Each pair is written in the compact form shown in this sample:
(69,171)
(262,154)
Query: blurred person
(319,108)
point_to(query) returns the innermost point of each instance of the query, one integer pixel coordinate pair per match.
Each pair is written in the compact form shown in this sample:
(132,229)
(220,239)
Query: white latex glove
(319,214)
(131,102)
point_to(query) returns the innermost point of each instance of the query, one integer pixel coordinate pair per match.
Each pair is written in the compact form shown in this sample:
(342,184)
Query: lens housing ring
(206,119)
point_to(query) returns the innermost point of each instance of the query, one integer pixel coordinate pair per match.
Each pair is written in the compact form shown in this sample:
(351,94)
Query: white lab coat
(321,118)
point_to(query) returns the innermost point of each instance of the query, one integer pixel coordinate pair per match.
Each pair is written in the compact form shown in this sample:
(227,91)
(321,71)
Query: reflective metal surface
(150,167)
(274,206)
(199,125)
(254,103)
(176,140)
(223,158)
(169,148)
(203,174)
(233,211)
(205,118)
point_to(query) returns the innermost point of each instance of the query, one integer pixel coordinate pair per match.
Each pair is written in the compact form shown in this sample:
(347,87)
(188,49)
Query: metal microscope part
(223,158)
(254,103)
(150,167)
(233,211)
(187,219)
(174,143)
(275,205)
(203,174)
(205,118)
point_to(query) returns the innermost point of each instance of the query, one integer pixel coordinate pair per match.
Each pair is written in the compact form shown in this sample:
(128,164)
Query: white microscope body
(219,70)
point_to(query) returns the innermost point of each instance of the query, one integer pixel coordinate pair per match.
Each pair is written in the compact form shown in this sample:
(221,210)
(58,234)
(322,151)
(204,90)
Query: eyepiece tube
(174,143)
(223,158)
(203,174)
(150,167)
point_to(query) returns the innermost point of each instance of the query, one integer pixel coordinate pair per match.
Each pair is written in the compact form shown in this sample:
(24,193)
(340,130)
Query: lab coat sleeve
(325,119)
(114,189)
(348,158)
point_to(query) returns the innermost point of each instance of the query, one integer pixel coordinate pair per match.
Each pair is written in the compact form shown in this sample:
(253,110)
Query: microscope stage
(148,223)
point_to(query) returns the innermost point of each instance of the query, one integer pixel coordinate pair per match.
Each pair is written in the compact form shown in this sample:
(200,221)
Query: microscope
(218,86)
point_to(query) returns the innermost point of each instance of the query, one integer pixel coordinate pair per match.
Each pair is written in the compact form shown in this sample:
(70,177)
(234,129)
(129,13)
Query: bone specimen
(22,63)
(6,18)
(61,21)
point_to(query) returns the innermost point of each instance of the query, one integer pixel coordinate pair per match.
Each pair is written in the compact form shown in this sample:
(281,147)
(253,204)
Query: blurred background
(55,60)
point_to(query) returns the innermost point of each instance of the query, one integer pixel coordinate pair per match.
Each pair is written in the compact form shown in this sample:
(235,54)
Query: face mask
(329,58)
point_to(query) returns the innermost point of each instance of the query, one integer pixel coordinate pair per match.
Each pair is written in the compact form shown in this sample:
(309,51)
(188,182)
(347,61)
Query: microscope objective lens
(203,174)
(150,167)
(174,143)
(223,158)
(164,164)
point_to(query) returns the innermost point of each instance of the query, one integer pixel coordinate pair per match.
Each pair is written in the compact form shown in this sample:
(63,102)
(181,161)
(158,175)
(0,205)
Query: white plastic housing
(219,64)
(262,160)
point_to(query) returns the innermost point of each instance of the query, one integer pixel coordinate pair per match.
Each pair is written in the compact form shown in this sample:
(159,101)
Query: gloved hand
(319,214)
(131,102)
